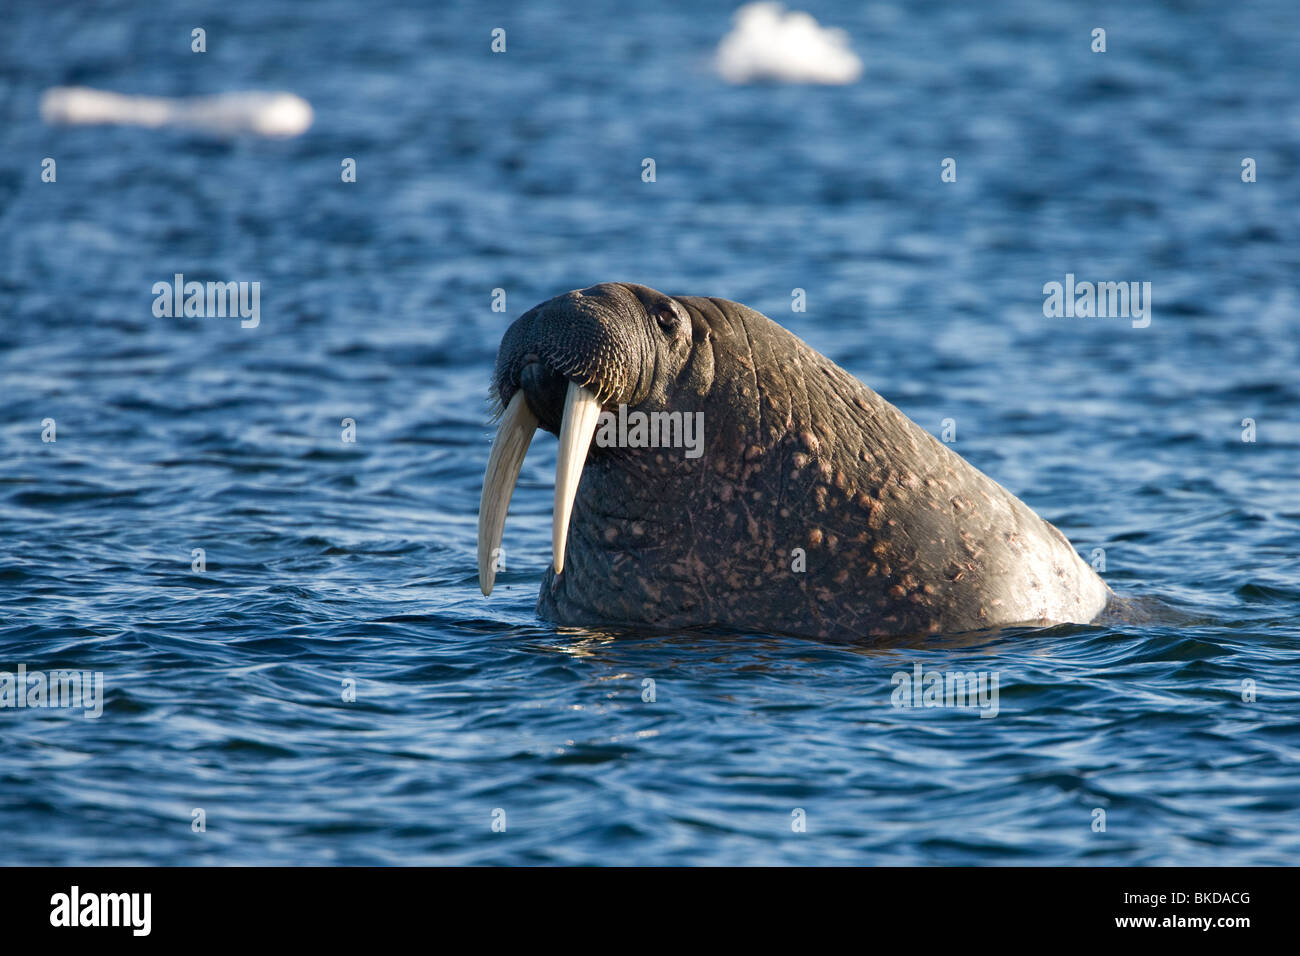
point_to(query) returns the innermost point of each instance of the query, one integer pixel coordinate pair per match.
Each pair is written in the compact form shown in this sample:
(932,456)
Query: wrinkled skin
(901,535)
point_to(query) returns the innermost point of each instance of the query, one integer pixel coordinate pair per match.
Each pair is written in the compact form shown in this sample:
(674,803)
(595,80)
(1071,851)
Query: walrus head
(563,362)
(624,344)
(811,506)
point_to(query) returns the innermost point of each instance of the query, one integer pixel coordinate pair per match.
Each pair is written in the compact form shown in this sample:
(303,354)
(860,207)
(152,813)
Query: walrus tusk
(581,411)
(518,425)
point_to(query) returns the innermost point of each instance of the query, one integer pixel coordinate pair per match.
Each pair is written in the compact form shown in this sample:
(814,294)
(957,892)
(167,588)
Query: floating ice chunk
(768,43)
(227,114)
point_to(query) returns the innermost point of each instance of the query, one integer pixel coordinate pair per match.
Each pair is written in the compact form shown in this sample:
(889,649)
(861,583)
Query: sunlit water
(328,561)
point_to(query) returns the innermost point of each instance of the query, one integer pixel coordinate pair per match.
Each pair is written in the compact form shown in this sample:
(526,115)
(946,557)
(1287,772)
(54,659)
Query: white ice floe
(227,114)
(768,43)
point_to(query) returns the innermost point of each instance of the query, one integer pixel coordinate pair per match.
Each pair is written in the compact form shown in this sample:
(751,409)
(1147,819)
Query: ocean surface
(331,569)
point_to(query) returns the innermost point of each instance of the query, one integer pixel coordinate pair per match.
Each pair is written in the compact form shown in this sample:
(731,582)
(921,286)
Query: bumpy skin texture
(901,535)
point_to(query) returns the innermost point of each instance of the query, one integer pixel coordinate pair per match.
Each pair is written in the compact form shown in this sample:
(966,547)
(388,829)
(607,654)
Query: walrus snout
(544,389)
(597,337)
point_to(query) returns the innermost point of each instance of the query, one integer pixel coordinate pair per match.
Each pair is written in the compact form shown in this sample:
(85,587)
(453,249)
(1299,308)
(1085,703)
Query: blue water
(328,561)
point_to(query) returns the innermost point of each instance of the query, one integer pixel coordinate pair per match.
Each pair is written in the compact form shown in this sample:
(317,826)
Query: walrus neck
(631,549)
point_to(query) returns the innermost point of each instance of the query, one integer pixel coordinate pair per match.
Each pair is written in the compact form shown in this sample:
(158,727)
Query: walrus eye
(667,317)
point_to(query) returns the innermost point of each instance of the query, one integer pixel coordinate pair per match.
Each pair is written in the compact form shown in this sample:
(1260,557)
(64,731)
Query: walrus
(812,507)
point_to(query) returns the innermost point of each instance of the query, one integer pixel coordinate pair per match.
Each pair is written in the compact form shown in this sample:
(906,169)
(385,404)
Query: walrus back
(933,543)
